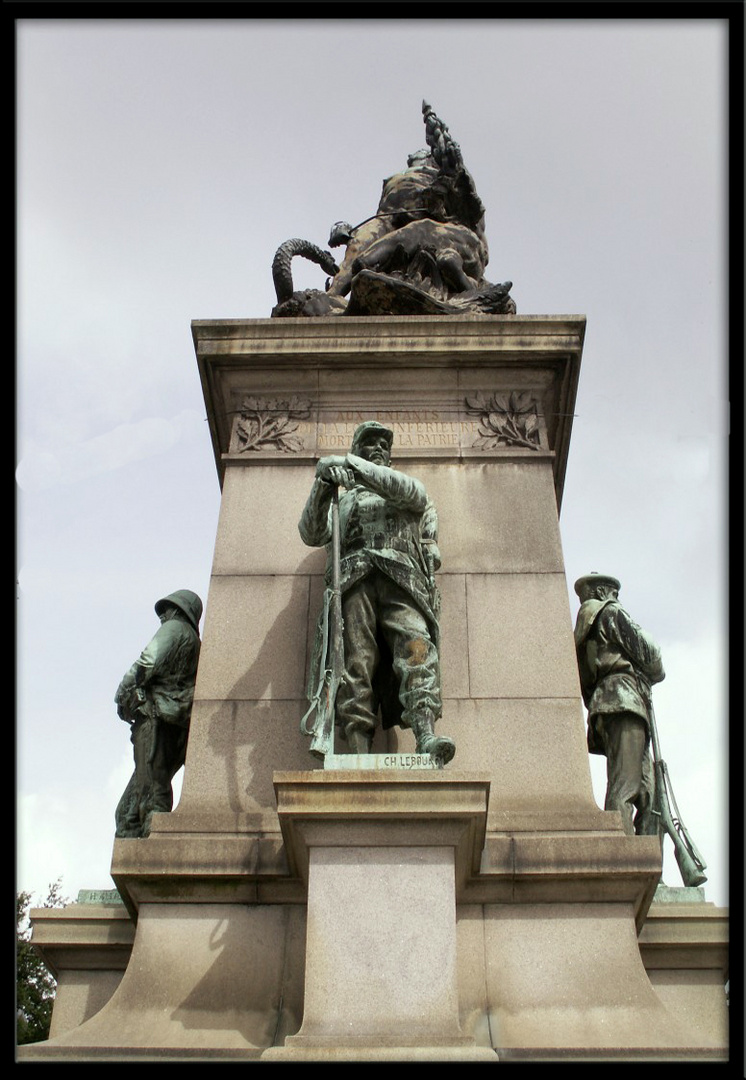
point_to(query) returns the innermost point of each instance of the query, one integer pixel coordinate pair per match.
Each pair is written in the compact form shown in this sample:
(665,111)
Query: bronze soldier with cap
(618,664)
(390,602)
(155,699)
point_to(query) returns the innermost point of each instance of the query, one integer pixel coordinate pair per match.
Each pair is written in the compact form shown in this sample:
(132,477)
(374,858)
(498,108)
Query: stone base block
(631,1055)
(379,853)
(685,948)
(323,1054)
(381,949)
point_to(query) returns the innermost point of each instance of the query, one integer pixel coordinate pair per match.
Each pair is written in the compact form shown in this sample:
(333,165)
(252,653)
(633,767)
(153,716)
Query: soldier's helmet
(186,601)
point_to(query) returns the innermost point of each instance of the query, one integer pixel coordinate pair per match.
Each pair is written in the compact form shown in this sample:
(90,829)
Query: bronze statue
(423,252)
(389,601)
(155,699)
(618,663)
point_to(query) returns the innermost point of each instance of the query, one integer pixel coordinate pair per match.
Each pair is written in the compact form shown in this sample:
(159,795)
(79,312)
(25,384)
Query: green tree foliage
(35,984)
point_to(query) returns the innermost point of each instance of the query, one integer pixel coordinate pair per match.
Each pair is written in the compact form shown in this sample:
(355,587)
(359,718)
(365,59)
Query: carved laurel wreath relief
(503,419)
(507,419)
(269,424)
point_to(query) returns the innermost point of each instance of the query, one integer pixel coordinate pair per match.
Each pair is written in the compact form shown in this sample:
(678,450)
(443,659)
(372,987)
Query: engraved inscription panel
(481,423)
(414,429)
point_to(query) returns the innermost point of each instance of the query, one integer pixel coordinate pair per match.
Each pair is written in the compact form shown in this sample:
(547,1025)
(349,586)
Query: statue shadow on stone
(423,252)
(245,729)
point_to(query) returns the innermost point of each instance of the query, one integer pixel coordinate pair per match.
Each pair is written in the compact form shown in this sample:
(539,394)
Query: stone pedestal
(87,948)
(547,960)
(685,949)
(683,946)
(280,394)
(382,855)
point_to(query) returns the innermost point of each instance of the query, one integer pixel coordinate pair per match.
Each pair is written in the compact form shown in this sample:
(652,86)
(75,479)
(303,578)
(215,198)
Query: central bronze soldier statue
(388,555)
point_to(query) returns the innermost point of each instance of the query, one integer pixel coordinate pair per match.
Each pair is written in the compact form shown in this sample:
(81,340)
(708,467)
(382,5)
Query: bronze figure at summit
(423,252)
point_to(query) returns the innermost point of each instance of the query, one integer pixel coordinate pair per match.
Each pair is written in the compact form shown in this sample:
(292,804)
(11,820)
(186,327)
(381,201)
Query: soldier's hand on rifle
(335,471)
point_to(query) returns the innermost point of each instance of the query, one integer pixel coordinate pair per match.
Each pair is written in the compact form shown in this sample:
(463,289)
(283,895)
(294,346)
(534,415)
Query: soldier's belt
(380,542)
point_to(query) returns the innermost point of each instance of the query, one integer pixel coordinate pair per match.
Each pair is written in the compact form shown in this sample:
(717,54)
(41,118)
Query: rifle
(690,862)
(332,656)
(433,593)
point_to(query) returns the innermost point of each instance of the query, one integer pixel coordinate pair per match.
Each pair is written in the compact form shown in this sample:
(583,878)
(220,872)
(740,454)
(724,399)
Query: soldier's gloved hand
(334,470)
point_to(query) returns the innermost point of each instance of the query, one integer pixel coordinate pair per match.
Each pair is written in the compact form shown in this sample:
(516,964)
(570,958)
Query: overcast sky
(160,165)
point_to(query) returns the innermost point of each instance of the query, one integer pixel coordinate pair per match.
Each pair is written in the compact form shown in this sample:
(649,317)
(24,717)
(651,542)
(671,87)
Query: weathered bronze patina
(423,252)
(618,664)
(155,699)
(389,601)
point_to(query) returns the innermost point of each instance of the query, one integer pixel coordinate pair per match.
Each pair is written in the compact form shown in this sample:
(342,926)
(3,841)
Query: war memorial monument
(387,845)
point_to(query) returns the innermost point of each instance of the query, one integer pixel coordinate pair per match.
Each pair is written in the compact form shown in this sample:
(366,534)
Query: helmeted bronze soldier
(390,602)
(155,698)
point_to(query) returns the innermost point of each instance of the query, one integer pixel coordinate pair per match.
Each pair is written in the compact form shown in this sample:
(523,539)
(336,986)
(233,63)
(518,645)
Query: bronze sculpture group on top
(423,252)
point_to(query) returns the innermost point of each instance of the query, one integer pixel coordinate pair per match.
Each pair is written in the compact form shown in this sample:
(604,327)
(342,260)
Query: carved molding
(489,421)
(505,419)
(269,424)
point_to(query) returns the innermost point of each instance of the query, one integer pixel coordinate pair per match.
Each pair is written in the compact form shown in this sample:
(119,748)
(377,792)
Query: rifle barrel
(690,862)
(337,648)
(336,558)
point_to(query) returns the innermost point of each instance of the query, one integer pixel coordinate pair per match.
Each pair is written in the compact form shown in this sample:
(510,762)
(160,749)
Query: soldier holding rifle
(619,663)
(389,602)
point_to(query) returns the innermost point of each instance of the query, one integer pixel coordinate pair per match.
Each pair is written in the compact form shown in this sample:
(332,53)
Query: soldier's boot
(358,740)
(440,747)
